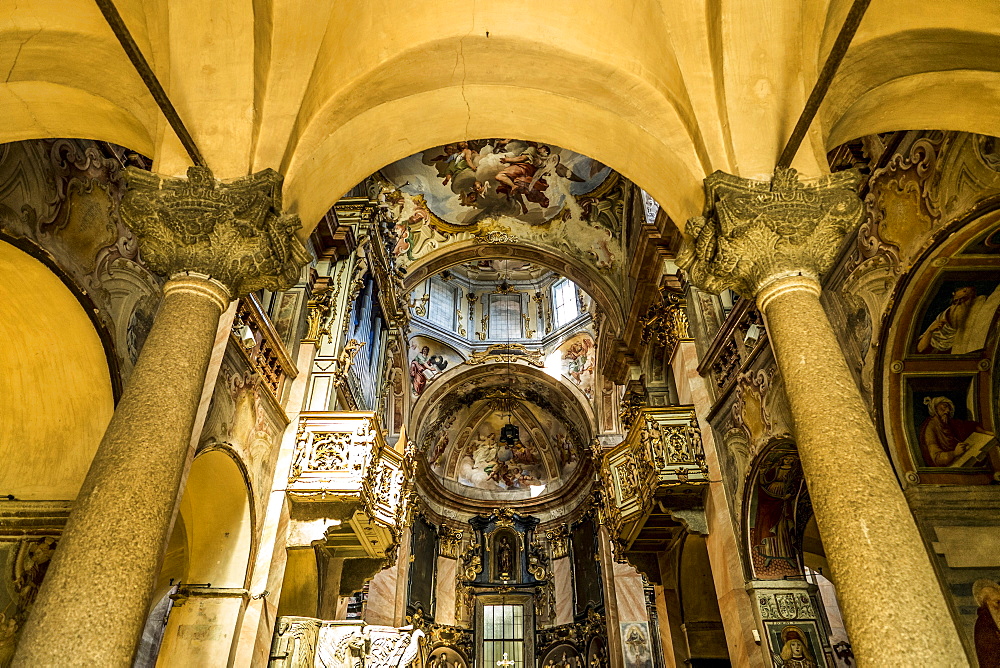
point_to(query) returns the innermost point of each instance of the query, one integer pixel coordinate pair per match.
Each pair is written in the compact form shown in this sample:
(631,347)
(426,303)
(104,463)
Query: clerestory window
(565,302)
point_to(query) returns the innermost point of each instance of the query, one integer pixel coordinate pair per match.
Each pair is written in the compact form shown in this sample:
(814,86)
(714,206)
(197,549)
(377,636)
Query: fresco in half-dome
(465,443)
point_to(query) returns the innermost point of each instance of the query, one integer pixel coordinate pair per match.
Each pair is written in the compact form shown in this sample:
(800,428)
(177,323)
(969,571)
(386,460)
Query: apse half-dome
(465,448)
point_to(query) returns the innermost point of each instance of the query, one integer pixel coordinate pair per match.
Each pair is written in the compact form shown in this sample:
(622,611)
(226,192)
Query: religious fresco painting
(949,431)
(795,645)
(577,358)
(428,359)
(562,656)
(958,317)
(635,645)
(466,443)
(777,509)
(505,188)
(489,463)
(446,657)
(597,654)
(986,629)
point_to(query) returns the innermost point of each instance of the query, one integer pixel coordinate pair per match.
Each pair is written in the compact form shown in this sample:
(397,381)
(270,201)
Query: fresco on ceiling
(576,358)
(950,432)
(428,359)
(958,316)
(505,190)
(464,443)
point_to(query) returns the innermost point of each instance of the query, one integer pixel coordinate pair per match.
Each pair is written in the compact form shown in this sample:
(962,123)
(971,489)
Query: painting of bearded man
(987,630)
(963,326)
(942,436)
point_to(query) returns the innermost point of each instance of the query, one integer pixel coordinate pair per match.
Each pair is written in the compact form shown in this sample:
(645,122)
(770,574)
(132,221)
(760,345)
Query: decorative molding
(666,321)
(558,539)
(449,541)
(504,352)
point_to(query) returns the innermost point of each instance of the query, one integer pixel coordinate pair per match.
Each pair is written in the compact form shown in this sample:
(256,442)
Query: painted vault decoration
(503,189)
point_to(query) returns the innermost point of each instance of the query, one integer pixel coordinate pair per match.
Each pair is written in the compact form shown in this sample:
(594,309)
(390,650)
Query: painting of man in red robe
(772,536)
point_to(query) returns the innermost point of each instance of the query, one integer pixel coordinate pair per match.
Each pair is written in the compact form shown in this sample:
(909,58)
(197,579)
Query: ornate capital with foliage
(755,231)
(234,232)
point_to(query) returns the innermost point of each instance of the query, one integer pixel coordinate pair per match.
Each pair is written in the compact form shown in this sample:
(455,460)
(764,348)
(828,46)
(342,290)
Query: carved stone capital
(234,232)
(756,231)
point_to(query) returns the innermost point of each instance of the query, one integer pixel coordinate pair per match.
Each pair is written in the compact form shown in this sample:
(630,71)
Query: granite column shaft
(891,600)
(97,591)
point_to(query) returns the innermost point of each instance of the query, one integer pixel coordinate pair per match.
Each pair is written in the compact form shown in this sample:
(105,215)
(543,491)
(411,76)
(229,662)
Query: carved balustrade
(301,642)
(659,463)
(343,462)
(263,348)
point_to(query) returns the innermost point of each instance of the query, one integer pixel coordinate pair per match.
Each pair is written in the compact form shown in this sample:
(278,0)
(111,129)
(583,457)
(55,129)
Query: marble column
(773,240)
(215,241)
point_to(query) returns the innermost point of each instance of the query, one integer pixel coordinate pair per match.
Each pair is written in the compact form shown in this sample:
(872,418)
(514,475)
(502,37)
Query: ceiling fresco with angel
(512,189)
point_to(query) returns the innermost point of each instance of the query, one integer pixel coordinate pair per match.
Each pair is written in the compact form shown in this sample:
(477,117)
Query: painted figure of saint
(777,489)
(517,181)
(637,653)
(987,629)
(795,650)
(505,558)
(942,437)
(963,326)
(424,367)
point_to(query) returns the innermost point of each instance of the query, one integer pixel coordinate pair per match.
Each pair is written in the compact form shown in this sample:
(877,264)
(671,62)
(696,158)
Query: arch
(555,86)
(909,80)
(581,410)
(918,376)
(218,520)
(55,384)
(71,78)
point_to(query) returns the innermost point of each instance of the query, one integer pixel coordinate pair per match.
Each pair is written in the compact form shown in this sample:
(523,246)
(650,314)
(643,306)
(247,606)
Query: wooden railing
(263,347)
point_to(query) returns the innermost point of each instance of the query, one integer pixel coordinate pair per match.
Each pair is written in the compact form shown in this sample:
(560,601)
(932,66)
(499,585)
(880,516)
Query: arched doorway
(206,562)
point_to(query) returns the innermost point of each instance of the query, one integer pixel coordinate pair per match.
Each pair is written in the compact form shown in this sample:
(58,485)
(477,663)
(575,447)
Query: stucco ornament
(234,232)
(755,231)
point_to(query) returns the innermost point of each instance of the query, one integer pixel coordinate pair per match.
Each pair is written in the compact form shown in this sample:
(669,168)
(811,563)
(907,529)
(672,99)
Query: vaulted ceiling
(328,92)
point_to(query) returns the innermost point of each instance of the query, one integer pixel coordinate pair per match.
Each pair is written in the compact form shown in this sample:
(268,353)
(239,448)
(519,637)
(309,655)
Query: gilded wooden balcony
(343,469)
(654,479)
